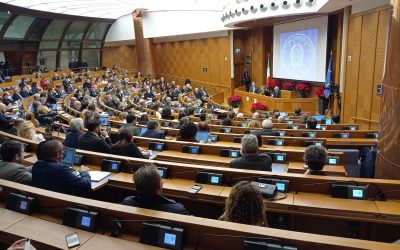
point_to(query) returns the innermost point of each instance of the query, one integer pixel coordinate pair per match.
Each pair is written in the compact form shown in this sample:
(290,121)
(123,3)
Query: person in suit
(254,88)
(267,127)
(246,79)
(297,111)
(152,131)
(25,92)
(315,158)
(276,93)
(336,119)
(245,205)
(148,184)
(95,139)
(5,122)
(250,158)
(7,99)
(76,129)
(12,154)
(311,123)
(130,124)
(50,174)
(125,146)
(17,95)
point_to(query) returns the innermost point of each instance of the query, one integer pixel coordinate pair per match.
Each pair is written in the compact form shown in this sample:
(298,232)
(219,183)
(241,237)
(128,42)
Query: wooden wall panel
(366,46)
(122,56)
(352,69)
(186,59)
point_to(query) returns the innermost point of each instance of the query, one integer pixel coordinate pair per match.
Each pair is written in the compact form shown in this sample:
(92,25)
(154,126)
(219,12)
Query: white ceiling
(114,9)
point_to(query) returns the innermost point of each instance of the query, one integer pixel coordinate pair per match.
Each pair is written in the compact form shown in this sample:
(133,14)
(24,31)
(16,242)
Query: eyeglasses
(61,151)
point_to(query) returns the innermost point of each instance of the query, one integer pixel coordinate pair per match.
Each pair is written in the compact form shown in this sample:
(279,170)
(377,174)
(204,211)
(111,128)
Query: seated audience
(130,124)
(266,127)
(76,130)
(187,132)
(144,119)
(282,119)
(315,158)
(166,114)
(311,123)
(153,131)
(12,154)
(28,131)
(254,88)
(336,119)
(87,117)
(250,158)
(304,118)
(227,122)
(95,139)
(245,205)
(254,124)
(148,184)
(203,126)
(125,146)
(5,122)
(50,174)
(297,111)
(182,121)
(276,93)
(122,117)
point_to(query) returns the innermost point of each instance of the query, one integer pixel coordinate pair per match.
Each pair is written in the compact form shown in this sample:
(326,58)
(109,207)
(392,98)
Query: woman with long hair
(125,146)
(245,205)
(28,131)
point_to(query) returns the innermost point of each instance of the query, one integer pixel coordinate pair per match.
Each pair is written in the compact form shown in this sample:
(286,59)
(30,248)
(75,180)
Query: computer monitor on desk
(202,136)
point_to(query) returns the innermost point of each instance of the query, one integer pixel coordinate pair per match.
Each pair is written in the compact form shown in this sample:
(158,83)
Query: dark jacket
(135,130)
(17,97)
(89,141)
(261,162)
(156,202)
(15,172)
(71,139)
(58,177)
(264,131)
(5,123)
(276,94)
(128,149)
(153,134)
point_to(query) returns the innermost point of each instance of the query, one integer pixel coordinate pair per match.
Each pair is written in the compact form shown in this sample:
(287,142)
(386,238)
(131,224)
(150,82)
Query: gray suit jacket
(15,172)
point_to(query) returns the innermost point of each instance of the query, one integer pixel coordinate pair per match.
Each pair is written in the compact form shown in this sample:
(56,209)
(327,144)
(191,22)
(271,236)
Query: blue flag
(328,80)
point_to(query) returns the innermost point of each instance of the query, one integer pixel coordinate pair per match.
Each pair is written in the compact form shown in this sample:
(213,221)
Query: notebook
(98,175)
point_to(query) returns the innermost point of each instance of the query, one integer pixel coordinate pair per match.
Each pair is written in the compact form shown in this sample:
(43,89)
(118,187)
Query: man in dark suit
(246,79)
(152,131)
(50,174)
(5,122)
(92,141)
(266,128)
(254,88)
(17,96)
(250,158)
(149,187)
(12,154)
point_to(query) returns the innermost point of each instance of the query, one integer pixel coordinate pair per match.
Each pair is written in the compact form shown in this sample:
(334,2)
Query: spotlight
(285,4)
(263,8)
(238,13)
(252,9)
(231,14)
(273,5)
(245,11)
(297,3)
(311,2)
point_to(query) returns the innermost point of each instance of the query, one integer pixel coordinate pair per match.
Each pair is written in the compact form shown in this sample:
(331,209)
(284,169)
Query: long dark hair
(124,137)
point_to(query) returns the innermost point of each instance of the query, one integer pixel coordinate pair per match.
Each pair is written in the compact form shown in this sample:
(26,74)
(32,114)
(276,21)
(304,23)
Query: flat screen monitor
(104,120)
(69,156)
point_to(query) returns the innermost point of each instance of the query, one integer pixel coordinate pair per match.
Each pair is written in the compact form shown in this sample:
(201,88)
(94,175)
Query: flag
(328,79)
(268,75)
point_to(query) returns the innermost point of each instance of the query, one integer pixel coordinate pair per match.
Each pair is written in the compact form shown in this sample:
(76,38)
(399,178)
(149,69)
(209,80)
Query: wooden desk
(99,241)
(9,218)
(326,206)
(298,167)
(46,232)
(390,210)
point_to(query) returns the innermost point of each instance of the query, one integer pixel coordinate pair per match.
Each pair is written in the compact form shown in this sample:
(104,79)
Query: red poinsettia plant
(303,87)
(288,85)
(274,83)
(320,92)
(234,101)
(258,106)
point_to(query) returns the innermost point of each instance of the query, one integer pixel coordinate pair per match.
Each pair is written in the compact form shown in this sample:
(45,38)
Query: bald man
(50,174)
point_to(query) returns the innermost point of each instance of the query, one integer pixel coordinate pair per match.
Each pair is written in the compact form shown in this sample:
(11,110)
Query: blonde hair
(254,124)
(27,130)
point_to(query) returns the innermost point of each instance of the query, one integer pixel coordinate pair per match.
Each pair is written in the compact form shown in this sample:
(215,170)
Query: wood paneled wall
(186,59)
(366,47)
(123,56)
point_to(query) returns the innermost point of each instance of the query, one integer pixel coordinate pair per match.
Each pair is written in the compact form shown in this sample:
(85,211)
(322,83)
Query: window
(76,30)
(96,31)
(67,56)
(48,45)
(19,27)
(92,57)
(71,45)
(3,18)
(47,59)
(55,29)
(92,45)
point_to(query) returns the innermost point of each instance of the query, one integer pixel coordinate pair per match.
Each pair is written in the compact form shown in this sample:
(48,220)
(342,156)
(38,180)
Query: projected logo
(298,54)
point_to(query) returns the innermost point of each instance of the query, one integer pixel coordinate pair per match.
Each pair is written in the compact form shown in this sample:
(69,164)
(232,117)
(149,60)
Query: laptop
(202,136)
(69,156)
(104,120)
(142,130)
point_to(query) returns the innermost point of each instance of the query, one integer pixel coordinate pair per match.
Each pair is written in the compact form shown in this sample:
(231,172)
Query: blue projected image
(169,239)
(299,54)
(85,221)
